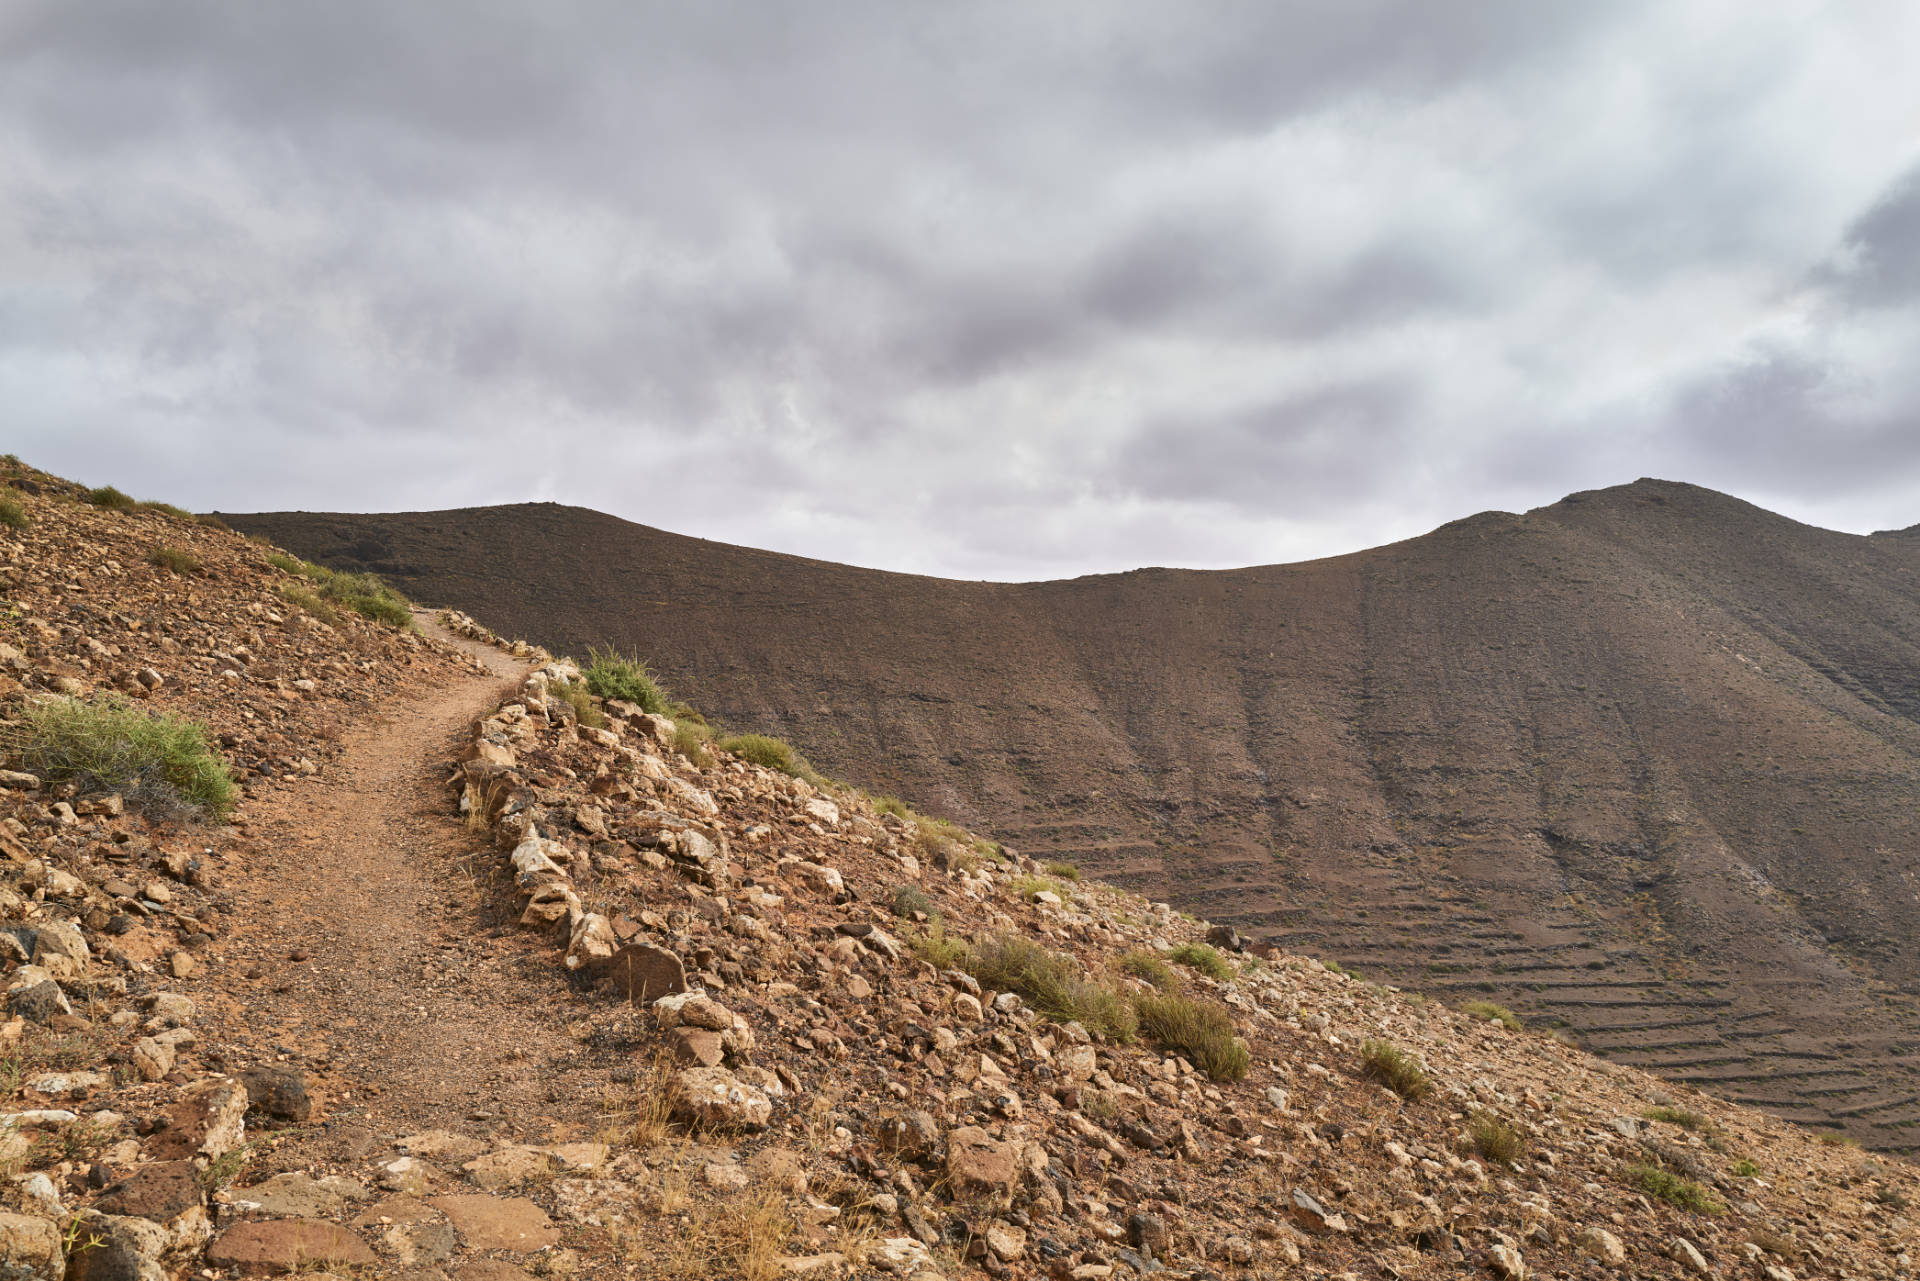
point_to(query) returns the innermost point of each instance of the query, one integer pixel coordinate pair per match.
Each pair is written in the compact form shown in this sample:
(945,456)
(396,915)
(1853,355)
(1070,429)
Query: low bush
(160,762)
(309,600)
(1207,960)
(1676,1116)
(611,674)
(1746,1168)
(110,498)
(774,754)
(1052,983)
(938,948)
(174,561)
(1026,887)
(585,710)
(690,739)
(1892,1198)
(212,521)
(1664,1185)
(13,513)
(1143,964)
(1835,1139)
(1487,1010)
(364,594)
(179,513)
(1064,871)
(1494,1139)
(367,596)
(892,805)
(1394,1068)
(1201,1031)
(909,900)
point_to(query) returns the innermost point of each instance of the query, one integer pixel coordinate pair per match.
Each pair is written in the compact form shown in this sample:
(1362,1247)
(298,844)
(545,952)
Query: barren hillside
(1642,762)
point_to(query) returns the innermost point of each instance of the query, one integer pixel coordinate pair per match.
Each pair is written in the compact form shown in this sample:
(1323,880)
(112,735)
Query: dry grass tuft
(1394,1068)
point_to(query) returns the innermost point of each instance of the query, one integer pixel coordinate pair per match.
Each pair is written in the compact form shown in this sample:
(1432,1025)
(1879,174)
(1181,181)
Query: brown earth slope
(1643,761)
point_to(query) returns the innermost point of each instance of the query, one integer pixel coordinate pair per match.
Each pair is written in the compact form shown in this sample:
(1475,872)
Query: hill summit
(1639,764)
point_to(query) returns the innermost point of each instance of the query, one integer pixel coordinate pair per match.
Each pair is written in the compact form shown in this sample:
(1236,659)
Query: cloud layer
(994,290)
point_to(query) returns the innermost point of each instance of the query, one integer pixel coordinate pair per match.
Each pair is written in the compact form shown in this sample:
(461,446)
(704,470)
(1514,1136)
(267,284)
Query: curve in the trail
(368,953)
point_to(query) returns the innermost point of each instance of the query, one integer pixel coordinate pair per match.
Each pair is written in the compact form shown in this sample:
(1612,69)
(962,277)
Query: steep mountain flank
(1643,762)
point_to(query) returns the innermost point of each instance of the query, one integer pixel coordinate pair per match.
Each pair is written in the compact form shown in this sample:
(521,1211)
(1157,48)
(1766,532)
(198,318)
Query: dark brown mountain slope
(1645,761)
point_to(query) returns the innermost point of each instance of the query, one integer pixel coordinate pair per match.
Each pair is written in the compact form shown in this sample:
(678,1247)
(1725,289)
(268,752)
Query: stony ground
(471,988)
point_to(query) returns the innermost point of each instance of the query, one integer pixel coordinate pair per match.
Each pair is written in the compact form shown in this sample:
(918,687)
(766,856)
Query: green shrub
(1064,871)
(1143,964)
(1051,982)
(367,596)
(174,560)
(1201,1031)
(179,513)
(112,499)
(1207,960)
(611,674)
(1487,1010)
(307,599)
(773,753)
(364,594)
(891,805)
(938,948)
(690,739)
(908,900)
(1676,1116)
(160,762)
(575,695)
(1494,1139)
(1026,887)
(13,514)
(1394,1068)
(1746,1168)
(1664,1185)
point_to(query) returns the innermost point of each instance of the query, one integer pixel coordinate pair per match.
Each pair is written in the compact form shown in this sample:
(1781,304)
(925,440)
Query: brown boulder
(263,1247)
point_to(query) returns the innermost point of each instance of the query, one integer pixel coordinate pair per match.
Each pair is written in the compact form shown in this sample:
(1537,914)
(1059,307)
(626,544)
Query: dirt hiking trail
(370,955)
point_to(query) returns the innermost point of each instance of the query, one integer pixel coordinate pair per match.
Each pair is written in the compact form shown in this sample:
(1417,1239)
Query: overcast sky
(988,290)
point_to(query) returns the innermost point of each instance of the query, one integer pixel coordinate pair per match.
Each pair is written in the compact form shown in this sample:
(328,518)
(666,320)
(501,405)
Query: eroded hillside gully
(491,975)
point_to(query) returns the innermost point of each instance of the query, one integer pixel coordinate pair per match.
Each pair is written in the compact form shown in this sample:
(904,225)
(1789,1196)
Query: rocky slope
(1640,763)
(783,1036)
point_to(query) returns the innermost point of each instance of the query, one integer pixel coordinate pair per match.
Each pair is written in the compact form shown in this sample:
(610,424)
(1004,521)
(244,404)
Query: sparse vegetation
(212,521)
(1027,886)
(1064,871)
(110,498)
(178,513)
(772,753)
(585,710)
(690,739)
(1746,1169)
(1207,960)
(1052,983)
(1494,1139)
(364,594)
(1835,1139)
(1892,1198)
(1681,1117)
(910,900)
(1683,1193)
(309,600)
(161,763)
(1490,1012)
(892,805)
(938,948)
(1394,1068)
(173,560)
(611,674)
(13,513)
(1200,1030)
(1143,964)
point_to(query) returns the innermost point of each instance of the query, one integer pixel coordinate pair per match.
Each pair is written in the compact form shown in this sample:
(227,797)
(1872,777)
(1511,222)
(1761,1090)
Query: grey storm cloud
(1002,290)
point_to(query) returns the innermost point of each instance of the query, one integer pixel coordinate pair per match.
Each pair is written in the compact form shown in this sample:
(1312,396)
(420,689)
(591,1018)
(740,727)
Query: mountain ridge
(1641,755)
